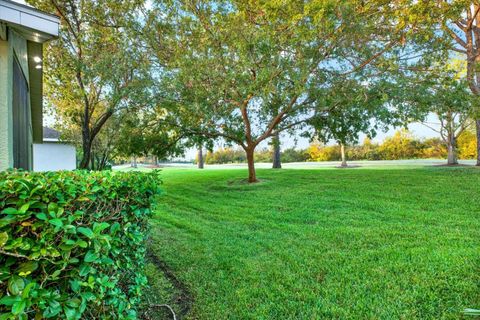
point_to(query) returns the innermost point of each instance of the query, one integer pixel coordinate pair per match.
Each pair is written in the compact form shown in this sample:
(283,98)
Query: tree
(246,69)
(148,133)
(455,27)
(468,44)
(444,93)
(355,108)
(277,163)
(452,103)
(200,159)
(94,69)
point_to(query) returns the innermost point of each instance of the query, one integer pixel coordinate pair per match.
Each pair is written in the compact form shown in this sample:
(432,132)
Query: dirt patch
(348,167)
(181,300)
(454,165)
(244,182)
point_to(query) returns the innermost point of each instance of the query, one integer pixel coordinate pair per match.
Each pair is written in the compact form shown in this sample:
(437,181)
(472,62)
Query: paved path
(309,165)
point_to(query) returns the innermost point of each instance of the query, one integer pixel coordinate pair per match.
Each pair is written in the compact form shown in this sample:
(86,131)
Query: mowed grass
(395,243)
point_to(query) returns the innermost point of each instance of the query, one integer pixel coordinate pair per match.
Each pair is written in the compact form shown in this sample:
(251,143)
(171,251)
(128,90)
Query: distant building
(53,154)
(23,30)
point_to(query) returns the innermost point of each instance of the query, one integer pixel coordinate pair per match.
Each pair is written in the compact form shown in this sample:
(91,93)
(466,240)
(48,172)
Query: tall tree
(93,69)
(200,158)
(356,108)
(277,163)
(447,97)
(246,68)
(454,25)
(464,30)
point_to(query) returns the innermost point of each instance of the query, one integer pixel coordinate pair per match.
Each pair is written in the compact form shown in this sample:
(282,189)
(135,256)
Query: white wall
(54,156)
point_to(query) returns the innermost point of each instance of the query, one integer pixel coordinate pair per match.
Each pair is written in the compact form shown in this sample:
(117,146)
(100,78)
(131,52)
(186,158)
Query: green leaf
(84,270)
(53,309)
(91,256)
(27,267)
(41,216)
(99,227)
(82,244)
(55,274)
(9,300)
(56,222)
(28,288)
(87,232)
(70,313)
(3,239)
(75,285)
(52,207)
(6,316)
(15,285)
(24,208)
(19,307)
(10,211)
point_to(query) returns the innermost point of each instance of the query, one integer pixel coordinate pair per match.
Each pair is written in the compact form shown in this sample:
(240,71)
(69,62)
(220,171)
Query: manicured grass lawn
(394,243)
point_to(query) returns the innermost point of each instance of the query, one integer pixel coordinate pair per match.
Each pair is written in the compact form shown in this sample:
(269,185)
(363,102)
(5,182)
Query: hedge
(72,244)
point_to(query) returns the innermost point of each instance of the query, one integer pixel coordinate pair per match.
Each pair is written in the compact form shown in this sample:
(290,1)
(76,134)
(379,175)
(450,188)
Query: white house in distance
(23,30)
(53,154)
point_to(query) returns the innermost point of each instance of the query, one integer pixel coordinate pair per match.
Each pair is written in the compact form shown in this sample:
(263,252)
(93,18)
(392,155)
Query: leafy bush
(294,155)
(402,145)
(467,145)
(225,155)
(318,152)
(72,243)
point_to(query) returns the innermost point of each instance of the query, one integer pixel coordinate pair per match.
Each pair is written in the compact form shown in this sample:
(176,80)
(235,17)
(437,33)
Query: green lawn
(392,243)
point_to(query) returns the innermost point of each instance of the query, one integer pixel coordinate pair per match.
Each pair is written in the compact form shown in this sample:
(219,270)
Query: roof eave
(34,24)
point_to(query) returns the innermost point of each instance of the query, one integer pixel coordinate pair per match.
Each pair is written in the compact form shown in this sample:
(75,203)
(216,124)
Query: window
(21,147)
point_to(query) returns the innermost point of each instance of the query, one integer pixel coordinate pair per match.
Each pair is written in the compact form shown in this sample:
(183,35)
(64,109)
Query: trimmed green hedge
(72,244)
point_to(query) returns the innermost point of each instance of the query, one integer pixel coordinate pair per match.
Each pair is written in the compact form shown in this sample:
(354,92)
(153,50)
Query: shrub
(294,155)
(225,155)
(434,148)
(467,145)
(263,155)
(318,152)
(402,145)
(72,243)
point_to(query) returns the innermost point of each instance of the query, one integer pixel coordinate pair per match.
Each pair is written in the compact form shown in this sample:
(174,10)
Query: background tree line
(402,145)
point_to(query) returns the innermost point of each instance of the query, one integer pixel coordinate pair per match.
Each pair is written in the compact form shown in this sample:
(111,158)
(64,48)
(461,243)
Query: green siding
(6,156)
(15,46)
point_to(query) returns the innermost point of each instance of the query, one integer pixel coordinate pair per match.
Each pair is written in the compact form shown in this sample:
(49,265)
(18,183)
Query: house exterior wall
(6,152)
(14,48)
(54,156)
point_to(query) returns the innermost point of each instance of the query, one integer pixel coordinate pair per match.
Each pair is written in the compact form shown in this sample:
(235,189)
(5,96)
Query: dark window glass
(20,119)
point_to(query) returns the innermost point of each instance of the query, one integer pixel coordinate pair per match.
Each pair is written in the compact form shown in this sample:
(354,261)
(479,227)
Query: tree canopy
(246,70)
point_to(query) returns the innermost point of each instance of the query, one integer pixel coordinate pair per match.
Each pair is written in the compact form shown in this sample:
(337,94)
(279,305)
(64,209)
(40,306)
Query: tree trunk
(477,124)
(87,152)
(452,151)
(92,160)
(134,162)
(200,160)
(344,158)
(252,177)
(277,164)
